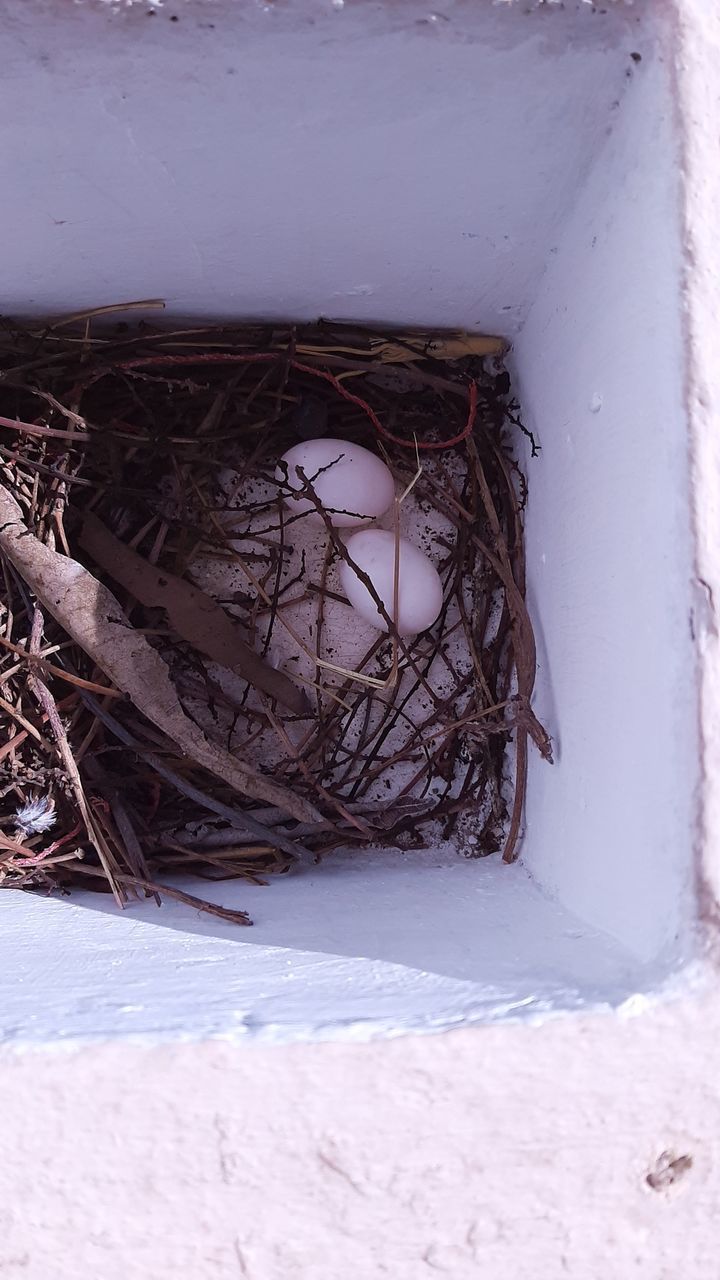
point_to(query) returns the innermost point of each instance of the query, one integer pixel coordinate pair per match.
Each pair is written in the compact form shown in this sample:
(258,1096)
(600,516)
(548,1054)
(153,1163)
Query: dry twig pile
(182,687)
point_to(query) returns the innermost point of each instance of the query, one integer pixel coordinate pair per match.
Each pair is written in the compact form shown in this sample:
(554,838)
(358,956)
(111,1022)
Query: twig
(188,899)
(46,700)
(235,817)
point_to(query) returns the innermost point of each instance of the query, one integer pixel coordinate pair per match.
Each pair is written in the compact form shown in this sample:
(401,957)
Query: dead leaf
(192,613)
(453,346)
(93,618)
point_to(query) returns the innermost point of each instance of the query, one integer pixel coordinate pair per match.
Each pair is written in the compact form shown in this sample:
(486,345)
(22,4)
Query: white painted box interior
(505,168)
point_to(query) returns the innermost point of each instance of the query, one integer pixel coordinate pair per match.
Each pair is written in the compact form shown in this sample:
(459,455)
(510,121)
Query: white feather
(36,816)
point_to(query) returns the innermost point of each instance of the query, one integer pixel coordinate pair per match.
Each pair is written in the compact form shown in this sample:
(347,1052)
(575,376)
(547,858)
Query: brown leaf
(438,346)
(192,613)
(93,618)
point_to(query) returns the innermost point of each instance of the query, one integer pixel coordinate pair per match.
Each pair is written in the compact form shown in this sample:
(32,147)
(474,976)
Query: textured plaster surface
(509,1154)
(698,67)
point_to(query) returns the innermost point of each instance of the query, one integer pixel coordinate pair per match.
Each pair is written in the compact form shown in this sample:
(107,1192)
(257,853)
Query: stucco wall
(507,1154)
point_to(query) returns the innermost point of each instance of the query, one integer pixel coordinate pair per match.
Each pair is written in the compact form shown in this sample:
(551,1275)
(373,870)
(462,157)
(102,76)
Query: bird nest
(185,686)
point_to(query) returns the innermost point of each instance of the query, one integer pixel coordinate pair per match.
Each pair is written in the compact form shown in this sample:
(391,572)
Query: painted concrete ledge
(495,947)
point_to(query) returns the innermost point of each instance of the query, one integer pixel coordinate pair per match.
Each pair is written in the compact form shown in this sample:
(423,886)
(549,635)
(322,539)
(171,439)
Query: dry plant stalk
(192,613)
(91,615)
(112,445)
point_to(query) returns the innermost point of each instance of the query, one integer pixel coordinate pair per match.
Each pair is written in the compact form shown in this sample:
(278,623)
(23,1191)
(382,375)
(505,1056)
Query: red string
(33,859)
(263,357)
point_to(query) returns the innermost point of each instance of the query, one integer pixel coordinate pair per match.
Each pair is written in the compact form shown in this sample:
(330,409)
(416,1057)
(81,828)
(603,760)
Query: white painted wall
(601,373)
(297,160)
(380,162)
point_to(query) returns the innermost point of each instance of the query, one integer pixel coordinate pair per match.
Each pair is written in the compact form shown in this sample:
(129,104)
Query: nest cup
(232,715)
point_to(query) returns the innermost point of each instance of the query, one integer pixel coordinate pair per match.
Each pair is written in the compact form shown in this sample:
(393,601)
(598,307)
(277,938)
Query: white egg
(353,484)
(420,593)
